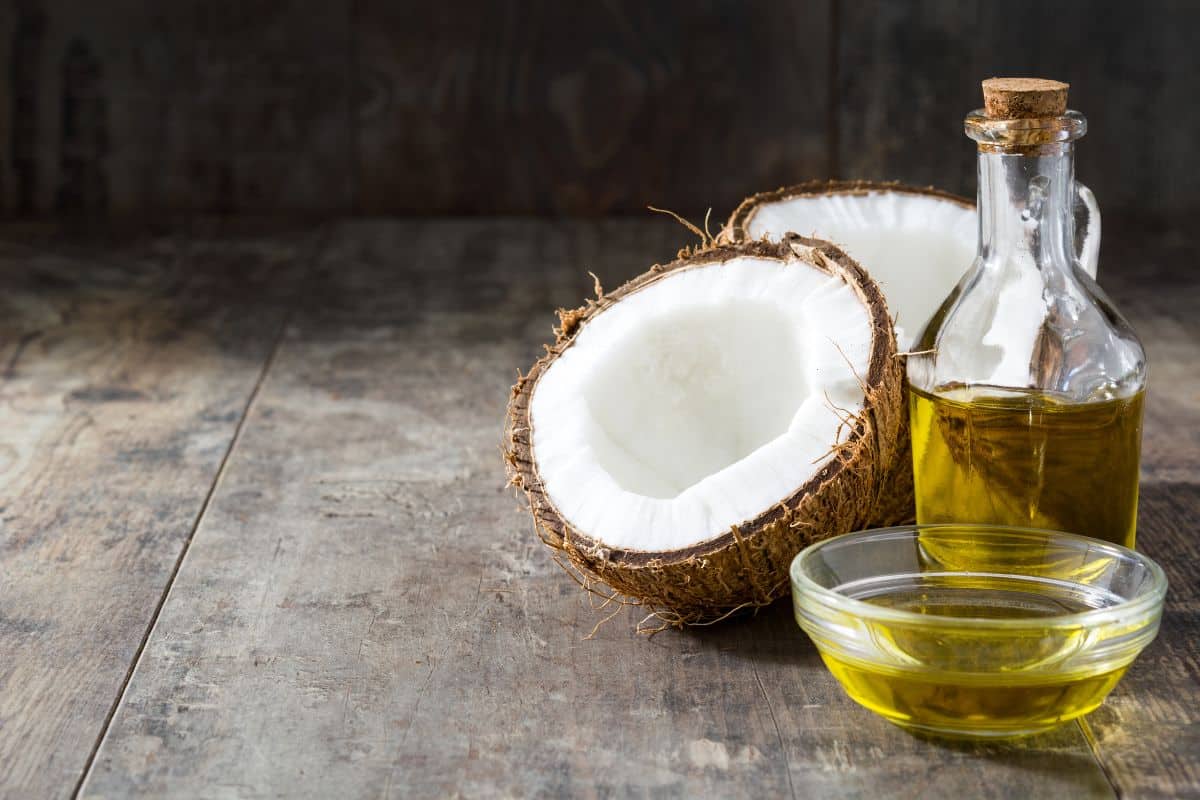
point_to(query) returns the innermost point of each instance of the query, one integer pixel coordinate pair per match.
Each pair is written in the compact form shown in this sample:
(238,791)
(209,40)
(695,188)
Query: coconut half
(689,433)
(915,242)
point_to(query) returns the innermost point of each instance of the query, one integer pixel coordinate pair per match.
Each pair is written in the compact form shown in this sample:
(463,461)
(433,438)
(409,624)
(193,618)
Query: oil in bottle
(1027,384)
(1027,459)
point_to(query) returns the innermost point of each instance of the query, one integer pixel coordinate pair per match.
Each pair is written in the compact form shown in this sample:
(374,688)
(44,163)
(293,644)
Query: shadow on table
(768,635)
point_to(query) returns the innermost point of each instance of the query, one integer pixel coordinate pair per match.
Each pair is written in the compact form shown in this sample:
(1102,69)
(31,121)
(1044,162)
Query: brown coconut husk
(746,566)
(896,504)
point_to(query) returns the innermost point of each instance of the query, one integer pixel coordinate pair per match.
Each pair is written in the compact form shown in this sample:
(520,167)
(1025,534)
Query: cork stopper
(1024,98)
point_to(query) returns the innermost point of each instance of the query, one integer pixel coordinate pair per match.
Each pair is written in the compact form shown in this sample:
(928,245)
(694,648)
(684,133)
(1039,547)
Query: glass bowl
(976,631)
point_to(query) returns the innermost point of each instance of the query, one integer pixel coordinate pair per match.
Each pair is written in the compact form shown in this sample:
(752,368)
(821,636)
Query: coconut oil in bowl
(1035,631)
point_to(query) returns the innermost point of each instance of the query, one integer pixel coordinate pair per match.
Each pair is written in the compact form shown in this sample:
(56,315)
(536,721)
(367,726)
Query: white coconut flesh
(915,246)
(699,401)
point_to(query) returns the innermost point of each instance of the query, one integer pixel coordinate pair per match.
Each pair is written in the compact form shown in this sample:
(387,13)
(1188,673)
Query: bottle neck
(1026,218)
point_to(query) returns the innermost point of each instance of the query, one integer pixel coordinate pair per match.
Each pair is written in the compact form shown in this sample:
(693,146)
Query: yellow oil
(1028,460)
(950,706)
(971,681)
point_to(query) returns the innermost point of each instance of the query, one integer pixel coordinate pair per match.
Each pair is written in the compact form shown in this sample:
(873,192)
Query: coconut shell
(896,503)
(746,566)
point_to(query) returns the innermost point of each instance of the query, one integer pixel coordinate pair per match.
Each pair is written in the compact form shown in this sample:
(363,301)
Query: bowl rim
(1143,604)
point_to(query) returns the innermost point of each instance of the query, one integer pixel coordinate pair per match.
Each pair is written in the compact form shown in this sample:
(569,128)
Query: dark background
(118,109)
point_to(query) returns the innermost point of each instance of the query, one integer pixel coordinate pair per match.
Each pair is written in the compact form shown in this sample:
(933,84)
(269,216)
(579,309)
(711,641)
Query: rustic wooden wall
(130,108)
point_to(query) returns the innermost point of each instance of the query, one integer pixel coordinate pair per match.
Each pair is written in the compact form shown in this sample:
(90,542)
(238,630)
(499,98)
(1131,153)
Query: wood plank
(909,73)
(519,107)
(130,109)
(1148,732)
(125,374)
(365,611)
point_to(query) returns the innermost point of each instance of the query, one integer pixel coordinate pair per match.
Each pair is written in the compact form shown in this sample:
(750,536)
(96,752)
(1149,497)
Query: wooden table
(256,543)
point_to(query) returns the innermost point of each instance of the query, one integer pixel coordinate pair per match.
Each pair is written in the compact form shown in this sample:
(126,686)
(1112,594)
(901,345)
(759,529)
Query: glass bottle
(1027,385)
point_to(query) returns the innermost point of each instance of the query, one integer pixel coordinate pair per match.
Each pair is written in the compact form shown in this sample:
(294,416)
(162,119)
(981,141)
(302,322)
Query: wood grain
(364,610)
(584,109)
(125,108)
(1148,732)
(134,109)
(124,374)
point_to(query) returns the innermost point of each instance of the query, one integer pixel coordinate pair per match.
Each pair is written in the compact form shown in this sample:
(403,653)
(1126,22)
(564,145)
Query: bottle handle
(1089,249)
